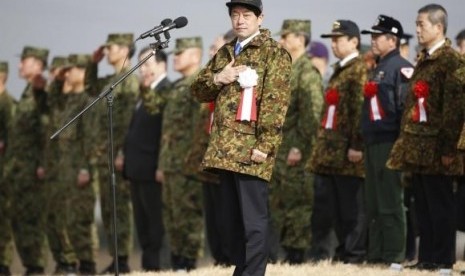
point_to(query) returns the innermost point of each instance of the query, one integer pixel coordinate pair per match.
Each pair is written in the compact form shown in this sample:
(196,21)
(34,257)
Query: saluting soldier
(382,110)
(118,48)
(24,172)
(291,189)
(337,156)
(248,79)
(427,145)
(182,194)
(7,105)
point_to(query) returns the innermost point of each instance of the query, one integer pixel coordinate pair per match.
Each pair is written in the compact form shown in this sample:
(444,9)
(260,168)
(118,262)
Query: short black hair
(160,56)
(436,14)
(460,36)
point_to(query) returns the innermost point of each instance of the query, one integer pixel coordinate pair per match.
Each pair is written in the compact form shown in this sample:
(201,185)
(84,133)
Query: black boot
(87,268)
(189,264)
(123,266)
(4,270)
(65,269)
(34,270)
(294,256)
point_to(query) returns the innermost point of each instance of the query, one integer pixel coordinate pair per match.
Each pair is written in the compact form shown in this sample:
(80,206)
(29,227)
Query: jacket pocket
(421,149)
(330,149)
(240,140)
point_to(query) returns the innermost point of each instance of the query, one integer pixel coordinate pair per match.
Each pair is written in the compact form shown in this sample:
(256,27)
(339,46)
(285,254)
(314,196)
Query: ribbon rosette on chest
(332,99)
(247,110)
(370,90)
(421,91)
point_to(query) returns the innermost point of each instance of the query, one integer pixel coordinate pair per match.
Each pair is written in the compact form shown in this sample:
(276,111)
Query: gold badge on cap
(336,25)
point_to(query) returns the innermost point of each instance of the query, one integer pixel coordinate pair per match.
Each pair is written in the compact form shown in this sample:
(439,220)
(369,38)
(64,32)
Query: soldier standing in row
(337,156)
(182,195)
(7,104)
(24,172)
(118,48)
(57,191)
(141,150)
(427,145)
(248,79)
(75,144)
(382,110)
(291,187)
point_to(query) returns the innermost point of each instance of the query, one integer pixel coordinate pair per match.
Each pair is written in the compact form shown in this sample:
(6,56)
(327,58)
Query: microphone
(156,29)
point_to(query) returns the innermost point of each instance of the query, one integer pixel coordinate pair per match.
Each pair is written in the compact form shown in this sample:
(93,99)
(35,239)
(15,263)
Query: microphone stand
(158,45)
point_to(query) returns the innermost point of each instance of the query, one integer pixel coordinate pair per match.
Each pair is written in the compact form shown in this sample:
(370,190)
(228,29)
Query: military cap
(58,61)
(187,42)
(386,25)
(460,35)
(78,60)
(254,4)
(125,39)
(3,67)
(405,39)
(295,26)
(39,53)
(343,27)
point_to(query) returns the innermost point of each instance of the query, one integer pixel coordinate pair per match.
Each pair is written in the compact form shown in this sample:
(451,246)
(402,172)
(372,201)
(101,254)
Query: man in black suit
(141,157)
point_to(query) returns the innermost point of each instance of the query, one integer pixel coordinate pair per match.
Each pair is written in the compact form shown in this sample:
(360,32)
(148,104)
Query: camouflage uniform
(231,142)
(125,95)
(291,190)
(182,193)
(57,195)
(74,146)
(7,104)
(24,154)
(439,79)
(329,158)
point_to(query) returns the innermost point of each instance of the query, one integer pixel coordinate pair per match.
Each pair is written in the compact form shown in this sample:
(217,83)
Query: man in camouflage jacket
(430,129)
(246,130)
(337,156)
(291,189)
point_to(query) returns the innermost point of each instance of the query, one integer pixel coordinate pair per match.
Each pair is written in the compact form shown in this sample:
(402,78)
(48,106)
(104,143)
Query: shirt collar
(436,46)
(348,58)
(157,81)
(247,40)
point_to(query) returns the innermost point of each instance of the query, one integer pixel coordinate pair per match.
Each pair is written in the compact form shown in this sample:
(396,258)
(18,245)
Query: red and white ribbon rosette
(332,99)
(247,110)
(370,90)
(421,91)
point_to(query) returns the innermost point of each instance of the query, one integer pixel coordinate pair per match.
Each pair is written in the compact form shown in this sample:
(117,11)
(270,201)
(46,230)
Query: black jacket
(141,146)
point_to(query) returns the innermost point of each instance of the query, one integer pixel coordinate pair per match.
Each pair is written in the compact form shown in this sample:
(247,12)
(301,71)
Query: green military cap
(78,60)
(125,39)
(295,26)
(58,61)
(188,42)
(39,53)
(3,67)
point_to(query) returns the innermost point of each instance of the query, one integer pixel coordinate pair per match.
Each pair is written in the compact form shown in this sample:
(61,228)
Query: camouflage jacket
(422,143)
(179,122)
(329,155)
(231,141)
(303,114)
(26,133)
(124,100)
(7,106)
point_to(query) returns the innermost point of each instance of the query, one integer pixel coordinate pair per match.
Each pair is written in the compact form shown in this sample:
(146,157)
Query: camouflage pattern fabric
(75,151)
(291,190)
(182,196)
(57,195)
(329,155)
(7,105)
(231,141)
(23,157)
(421,145)
(125,96)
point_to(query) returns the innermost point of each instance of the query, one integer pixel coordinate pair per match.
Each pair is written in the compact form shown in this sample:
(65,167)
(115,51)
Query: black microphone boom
(153,31)
(178,23)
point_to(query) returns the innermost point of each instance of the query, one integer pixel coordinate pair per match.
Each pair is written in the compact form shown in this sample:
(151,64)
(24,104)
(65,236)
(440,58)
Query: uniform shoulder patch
(407,72)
